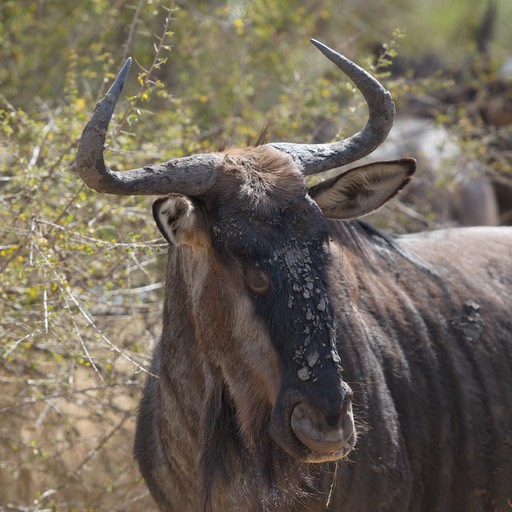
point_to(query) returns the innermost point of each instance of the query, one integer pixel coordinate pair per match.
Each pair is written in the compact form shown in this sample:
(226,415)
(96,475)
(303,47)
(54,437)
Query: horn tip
(331,54)
(123,74)
(121,77)
(317,43)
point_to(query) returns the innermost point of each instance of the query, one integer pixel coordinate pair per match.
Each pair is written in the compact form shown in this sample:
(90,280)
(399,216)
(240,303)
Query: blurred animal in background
(461,134)
(452,187)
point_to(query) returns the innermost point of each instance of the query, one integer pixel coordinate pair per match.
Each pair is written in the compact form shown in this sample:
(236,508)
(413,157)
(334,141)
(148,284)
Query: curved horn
(315,158)
(191,176)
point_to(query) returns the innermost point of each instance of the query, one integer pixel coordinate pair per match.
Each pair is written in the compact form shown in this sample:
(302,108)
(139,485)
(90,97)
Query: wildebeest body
(435,346)
(424,337)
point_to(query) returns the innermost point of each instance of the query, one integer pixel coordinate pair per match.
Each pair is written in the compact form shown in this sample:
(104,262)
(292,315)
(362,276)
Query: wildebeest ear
(364,189)
(175,217)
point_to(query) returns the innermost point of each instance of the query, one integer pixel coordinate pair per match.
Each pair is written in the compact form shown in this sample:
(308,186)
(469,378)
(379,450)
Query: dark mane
(357,234)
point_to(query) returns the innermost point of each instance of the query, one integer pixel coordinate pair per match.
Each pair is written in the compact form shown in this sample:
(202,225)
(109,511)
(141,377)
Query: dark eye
(257,279)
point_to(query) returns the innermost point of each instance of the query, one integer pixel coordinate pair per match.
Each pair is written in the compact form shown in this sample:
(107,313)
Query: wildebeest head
(251,245)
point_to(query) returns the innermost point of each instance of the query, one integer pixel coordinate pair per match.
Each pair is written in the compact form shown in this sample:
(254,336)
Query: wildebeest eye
(257,279)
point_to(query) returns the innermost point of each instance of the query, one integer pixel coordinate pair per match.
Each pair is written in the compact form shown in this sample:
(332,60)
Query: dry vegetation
(81,274)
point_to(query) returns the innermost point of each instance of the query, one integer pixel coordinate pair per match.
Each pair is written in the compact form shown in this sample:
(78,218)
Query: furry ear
(175,217)
(364,189)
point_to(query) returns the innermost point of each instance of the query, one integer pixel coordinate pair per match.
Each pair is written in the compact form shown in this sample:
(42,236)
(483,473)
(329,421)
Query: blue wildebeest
(307,360)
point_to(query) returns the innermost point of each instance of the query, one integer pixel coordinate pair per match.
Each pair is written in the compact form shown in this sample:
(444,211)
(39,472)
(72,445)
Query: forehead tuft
(262,204)
(261,180)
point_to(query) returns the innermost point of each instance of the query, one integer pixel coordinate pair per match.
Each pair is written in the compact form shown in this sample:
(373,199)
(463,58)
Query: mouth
(300,451)
(319,458)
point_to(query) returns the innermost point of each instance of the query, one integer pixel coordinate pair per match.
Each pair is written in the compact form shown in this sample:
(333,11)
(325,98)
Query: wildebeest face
(282,258)
(257,258)
(254,256)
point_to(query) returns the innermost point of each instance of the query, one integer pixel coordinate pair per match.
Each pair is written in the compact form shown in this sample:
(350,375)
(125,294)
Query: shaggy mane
(356,235)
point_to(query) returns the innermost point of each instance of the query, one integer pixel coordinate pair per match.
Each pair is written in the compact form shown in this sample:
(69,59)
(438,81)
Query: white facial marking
(176,216)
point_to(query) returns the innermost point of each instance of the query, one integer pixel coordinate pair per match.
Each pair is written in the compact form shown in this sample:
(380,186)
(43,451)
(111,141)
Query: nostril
(334,420)
(337,407)
(347,403)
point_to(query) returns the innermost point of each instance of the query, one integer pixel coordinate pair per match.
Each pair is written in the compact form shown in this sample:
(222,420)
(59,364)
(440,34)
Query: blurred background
(81,274)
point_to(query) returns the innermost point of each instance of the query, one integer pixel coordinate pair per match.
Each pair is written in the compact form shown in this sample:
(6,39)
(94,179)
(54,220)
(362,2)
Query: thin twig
(129,40)
(45,310)
(86,352)
(333,485)
(13,347)
(156,242)
(103,441)
(154,65)
(66,288)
